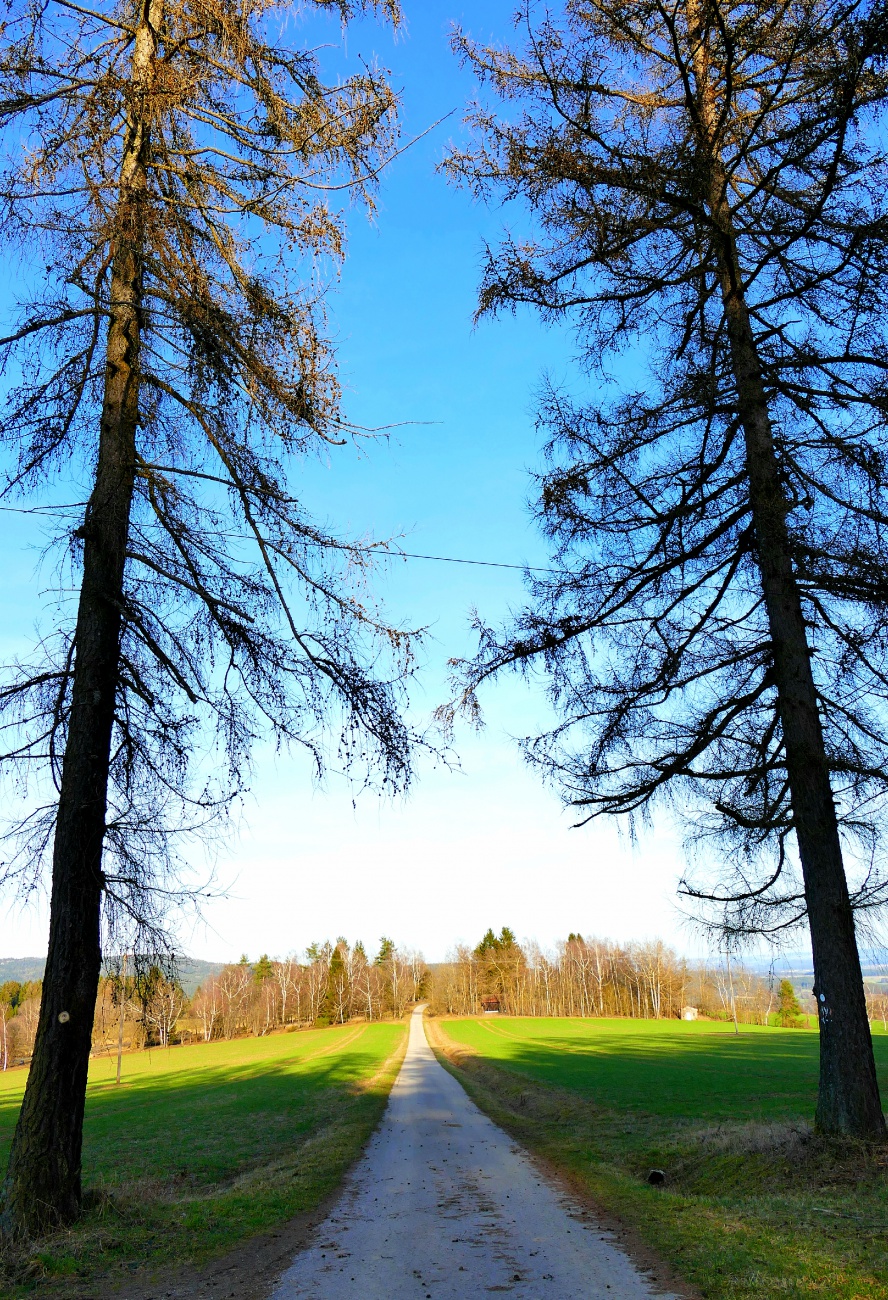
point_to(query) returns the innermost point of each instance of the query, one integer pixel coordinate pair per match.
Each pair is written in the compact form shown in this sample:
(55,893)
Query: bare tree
(173,206)
(107,1017)
(362,978)
(645,981)
(6,1015)
(287,976)
(317,976)
(163,1004)
(710,192)
(395,977)
(25,1025)
(234,987)
(206,1006)
(419,974)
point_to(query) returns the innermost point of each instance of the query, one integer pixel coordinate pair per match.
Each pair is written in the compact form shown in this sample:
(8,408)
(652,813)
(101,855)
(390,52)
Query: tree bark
(848,1099)
(42,1188)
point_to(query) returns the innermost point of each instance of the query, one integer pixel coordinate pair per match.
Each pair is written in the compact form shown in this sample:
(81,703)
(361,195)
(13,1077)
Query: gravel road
(444,1205)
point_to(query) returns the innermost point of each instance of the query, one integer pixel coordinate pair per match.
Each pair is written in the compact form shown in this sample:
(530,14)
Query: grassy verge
(204,1146)
(755,1207)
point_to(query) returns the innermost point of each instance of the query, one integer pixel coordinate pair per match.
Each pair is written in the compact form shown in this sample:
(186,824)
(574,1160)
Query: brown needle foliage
(171,178)
(707,182)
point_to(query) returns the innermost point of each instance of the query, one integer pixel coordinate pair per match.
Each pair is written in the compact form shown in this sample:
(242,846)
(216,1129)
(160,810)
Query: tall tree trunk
(848,1097)
(42,1187)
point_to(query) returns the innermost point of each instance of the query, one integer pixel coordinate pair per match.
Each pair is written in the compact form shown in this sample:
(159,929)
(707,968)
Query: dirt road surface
(443,1206)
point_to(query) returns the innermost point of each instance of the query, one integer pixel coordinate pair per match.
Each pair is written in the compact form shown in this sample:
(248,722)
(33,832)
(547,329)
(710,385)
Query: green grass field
(755,1206)
(204,1145)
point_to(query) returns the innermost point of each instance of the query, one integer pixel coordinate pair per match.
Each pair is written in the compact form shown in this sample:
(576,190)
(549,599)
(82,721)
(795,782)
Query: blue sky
(486,845)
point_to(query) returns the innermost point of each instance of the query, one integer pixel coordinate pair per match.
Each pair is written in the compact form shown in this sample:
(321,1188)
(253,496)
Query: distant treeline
(333,983)
(594,977)
(19,1010)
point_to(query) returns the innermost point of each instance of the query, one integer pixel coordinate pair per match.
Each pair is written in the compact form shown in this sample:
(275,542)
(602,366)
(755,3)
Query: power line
(57,511)
(405,555)
(452,559)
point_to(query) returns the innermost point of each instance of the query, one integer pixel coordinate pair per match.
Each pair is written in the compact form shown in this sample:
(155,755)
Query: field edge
(251,1260)
(703,1244)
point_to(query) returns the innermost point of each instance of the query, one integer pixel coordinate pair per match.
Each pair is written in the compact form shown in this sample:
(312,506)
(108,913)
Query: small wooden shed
(490,1004)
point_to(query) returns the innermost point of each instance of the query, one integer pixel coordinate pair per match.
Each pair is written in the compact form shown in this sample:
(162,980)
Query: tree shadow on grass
(207,1123)
(182,1164)
(751,1077)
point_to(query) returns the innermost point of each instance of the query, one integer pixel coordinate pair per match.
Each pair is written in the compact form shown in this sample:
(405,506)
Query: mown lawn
(204,1145)
(755,1206)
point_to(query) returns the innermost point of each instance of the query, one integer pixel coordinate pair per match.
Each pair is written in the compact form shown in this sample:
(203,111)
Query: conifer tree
(789,1013)
(708,185)
(386,951)
(171,177)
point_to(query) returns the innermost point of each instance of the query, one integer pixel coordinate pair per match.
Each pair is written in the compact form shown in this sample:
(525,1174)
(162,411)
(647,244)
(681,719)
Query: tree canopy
(653,633)
(240,614)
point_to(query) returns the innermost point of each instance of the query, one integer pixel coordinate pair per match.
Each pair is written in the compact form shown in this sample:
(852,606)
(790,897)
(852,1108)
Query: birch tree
(206,1007)
(6,1015)
(163,1002)
(288,978)
(317,976)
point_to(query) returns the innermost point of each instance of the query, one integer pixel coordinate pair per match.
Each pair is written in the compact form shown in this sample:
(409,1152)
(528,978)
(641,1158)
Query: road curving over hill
(443,1205)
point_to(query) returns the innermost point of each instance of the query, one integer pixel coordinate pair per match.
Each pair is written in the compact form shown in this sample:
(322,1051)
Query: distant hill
(21,969)
(192,972)
(874,961)
(780,962)
(799,967)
